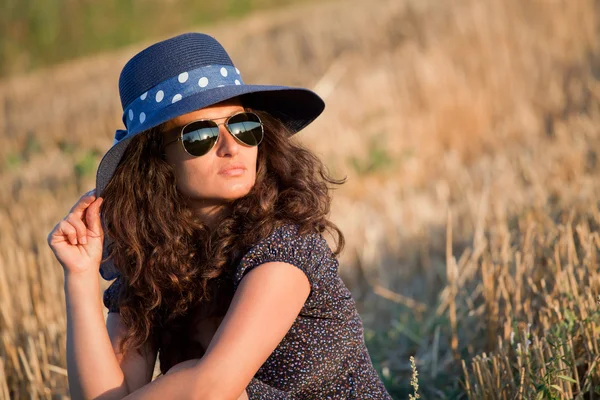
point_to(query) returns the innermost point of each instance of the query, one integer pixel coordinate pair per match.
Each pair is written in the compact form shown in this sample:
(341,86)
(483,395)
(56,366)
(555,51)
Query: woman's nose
(227,145)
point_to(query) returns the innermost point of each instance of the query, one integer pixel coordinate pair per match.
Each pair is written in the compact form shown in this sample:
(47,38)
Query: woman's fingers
(64,228)
(79,208)
(73,225)
(79,227)
(92,217)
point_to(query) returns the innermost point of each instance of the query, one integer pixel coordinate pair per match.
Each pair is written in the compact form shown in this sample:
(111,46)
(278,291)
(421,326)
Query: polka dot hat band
(186,73)
(175,89)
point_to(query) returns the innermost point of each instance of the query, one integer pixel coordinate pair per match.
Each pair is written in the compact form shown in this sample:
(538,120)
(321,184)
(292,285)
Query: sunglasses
(199,137)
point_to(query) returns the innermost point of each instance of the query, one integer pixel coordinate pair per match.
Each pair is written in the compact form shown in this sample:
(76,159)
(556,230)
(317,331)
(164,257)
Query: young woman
(209,218)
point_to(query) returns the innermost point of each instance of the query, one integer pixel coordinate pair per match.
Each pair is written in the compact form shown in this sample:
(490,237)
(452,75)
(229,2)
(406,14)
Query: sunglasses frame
(180,138)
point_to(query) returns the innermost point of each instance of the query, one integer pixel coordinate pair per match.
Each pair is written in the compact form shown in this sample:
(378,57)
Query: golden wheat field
(469,131)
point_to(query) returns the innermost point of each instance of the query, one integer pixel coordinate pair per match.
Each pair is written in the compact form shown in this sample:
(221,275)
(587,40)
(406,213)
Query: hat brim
(294,107)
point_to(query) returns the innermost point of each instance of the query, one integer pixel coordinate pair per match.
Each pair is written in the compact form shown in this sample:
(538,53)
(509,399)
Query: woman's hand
(77,240)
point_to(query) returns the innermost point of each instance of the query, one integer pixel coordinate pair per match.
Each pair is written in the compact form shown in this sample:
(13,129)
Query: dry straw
(469,133)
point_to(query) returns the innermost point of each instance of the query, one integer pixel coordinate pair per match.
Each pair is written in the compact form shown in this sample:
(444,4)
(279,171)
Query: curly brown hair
(174,270)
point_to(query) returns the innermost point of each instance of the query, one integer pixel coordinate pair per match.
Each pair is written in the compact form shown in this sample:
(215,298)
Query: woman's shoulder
(287,240)
(286,243)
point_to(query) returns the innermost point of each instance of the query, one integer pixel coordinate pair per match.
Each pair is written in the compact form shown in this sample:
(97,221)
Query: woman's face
(203,180)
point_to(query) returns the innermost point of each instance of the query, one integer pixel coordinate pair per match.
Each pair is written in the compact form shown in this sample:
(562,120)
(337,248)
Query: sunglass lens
(247,128)
(199,137)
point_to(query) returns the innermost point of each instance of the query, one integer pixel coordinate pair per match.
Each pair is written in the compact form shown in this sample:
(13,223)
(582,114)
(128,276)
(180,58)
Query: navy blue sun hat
(186,73)
(183,74)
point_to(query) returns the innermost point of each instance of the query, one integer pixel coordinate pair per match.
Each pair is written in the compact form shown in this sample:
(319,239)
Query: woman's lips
(233,172)
(234,169)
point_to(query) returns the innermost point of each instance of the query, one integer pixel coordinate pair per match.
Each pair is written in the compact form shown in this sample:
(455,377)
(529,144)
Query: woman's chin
(237,195)
(226,192)
(233,193)
(237,190)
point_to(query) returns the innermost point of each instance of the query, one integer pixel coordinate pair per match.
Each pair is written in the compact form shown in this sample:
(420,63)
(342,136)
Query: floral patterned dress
(323,355)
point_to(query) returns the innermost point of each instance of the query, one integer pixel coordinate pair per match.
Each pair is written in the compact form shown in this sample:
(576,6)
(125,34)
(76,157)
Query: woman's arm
(137,368)
(94,369)
(263,309)
(93,365)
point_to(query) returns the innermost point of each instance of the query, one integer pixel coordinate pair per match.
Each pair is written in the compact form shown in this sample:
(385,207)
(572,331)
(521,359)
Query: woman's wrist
(81,277)
(81,284)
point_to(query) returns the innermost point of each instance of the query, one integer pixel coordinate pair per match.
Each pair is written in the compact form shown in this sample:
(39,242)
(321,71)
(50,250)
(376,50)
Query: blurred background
(469,133)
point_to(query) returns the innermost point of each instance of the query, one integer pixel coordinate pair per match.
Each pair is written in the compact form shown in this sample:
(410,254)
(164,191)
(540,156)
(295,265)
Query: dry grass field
(470,134)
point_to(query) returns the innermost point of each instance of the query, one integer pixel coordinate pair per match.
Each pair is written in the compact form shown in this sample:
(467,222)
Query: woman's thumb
(92,218)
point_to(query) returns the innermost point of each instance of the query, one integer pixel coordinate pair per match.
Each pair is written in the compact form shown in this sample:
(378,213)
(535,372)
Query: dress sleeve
(111,294)
(285,244)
